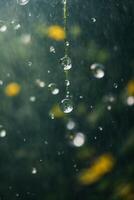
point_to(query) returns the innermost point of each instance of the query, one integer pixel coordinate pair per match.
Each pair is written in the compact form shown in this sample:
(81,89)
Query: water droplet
(100,128)
(17,195)
(97,70)
(40,83)
(34,170)
(51,115)
(93,19)
(32,98)
(22,2)
(16,27)
(81,97)
(3,27)
(115,85)
(70,125)
(52,49)
(130,101)
(1,82)
(66,63)
(66,105)
(53,88)
(109,107)
(67,43)
(79,140)
(29,14)
(3,133)
(30,63)
(25,38)
(67,82)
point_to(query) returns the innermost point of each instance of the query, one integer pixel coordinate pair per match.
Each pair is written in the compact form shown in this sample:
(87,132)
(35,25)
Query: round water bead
(22,2)
(66,62)
(79,139)
(66,105)
(97,70)
(53,88)
(3,27)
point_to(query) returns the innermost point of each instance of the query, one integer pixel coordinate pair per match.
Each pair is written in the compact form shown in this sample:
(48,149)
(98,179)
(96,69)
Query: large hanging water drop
(66,105)
(66,62)
(97,70)
(22,2)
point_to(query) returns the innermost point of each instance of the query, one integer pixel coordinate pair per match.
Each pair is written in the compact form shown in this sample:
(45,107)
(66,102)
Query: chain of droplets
(67,105)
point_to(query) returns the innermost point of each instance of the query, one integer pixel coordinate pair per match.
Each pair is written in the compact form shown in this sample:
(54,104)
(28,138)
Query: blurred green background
(88,153)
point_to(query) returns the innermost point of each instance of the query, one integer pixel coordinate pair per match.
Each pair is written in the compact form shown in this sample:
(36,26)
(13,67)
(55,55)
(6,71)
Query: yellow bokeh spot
(57,112)
(100,167)
(56,32)
(130,87)
(12,89)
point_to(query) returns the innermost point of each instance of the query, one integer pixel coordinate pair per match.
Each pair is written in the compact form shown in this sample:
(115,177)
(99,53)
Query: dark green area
(35,140)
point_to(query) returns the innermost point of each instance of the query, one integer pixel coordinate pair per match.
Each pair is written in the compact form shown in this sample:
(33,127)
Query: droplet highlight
(97,70)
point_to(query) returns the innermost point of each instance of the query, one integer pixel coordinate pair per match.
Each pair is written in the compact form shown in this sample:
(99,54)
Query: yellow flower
(56,111)
(56,32)
(130,87)
(12,89)
(100,167)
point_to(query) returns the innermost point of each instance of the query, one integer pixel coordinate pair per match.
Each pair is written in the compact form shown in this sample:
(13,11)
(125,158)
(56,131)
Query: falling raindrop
(97,70)
(53,88)
(66,62)
(22,2)
(66,105)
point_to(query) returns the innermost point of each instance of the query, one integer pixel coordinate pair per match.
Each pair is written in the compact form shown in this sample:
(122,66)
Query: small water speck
(34,170)
(52,49)
(130,101)
(109,107)
(51,115)
(53,88)
(70,125)
(93,19)
(32,98)
(100,128)
(1,82)
(3,133)
(23,2)
(16,27)
(97,70)
(115,85)
(40,83)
